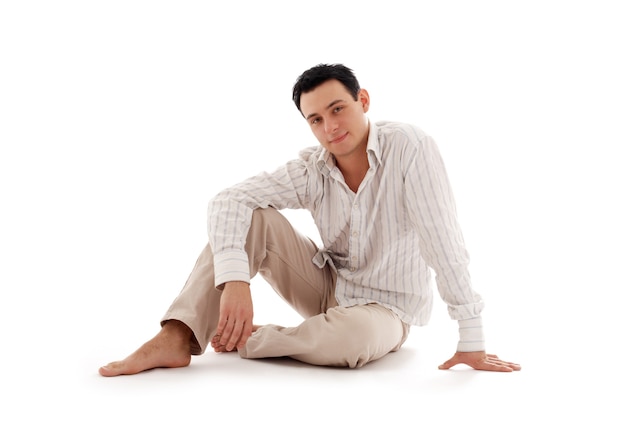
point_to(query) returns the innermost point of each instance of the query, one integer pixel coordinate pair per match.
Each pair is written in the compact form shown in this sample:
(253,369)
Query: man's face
(336,119)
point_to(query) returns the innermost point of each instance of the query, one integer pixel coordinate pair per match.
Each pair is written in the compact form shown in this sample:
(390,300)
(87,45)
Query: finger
(235,336)
(512,366)
(221,325)
(499,368)
(245,334)
(495,360)
(494,366)
(225,334)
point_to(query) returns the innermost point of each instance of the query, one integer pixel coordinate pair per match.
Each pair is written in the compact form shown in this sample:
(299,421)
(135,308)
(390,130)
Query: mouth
(338,139)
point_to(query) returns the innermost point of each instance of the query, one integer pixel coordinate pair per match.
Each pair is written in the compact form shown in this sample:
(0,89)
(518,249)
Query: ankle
(176,329)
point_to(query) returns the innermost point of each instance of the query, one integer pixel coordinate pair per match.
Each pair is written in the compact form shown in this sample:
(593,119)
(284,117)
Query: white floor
(50,384)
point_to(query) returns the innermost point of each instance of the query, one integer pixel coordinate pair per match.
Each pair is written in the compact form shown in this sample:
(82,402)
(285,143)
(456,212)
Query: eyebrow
(333,103)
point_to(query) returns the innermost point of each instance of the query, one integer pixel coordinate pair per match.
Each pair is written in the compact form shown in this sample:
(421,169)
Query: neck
(353,168)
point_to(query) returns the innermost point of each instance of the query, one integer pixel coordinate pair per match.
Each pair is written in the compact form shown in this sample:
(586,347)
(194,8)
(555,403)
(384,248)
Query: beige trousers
(329,335)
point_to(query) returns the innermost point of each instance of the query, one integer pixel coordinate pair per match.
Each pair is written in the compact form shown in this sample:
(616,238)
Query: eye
(315,121)
(337,109)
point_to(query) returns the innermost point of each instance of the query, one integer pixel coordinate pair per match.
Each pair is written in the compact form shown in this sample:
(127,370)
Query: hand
(235,323)
(480,361)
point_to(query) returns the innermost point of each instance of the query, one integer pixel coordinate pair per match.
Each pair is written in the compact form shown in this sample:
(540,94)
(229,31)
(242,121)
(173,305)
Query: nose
(330,125)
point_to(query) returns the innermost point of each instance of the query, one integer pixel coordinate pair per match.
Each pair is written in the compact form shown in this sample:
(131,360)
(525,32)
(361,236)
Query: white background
(120,119)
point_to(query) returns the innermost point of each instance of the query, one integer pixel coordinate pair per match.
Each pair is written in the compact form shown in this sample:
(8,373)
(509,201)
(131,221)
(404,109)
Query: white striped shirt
(381,240)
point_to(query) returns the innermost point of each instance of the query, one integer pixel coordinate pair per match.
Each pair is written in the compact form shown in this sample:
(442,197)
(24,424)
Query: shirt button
(355,234)
(352,269)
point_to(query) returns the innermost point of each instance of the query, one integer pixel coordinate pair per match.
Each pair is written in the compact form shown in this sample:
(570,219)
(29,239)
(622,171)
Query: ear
(364,99)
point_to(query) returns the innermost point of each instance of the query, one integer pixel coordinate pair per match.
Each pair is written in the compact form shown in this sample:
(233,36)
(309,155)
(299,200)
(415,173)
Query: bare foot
(169,348)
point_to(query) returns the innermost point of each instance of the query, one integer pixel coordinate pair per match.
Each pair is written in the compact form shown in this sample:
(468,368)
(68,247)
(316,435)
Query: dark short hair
(321,73)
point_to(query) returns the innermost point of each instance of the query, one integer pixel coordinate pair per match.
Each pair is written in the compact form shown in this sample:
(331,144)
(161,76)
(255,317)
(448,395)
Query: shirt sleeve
(230,214)
(471,337)
(433,210)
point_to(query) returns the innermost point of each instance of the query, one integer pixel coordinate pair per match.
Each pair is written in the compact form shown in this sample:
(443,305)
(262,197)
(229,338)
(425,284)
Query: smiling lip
(338,139)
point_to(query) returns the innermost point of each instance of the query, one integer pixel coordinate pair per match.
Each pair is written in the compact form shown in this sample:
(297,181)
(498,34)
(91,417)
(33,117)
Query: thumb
(447,364)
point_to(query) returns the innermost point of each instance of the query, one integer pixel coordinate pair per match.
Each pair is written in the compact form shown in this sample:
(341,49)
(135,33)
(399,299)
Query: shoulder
(389,131)
(311,154)
(400,137)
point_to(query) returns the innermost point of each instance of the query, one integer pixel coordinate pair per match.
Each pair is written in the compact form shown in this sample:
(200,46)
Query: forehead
(323,95)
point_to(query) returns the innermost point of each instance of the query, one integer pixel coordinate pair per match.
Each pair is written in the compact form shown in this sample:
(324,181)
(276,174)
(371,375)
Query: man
(380,196)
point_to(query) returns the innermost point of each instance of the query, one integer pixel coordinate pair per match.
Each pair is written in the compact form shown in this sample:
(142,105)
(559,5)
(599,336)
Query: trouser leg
(276,251)
(351,337)
(198,303)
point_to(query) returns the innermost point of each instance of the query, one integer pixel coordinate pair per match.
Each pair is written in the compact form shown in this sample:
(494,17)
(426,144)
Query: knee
(261,222)
(265,215)
(352,324)
(265,220)
(361,336)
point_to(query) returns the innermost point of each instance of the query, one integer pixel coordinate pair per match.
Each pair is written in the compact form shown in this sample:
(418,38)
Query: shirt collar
(373,146)
(326,161)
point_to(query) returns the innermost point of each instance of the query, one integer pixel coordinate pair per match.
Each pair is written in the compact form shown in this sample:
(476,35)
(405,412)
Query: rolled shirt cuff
(471,337)
(231,266)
